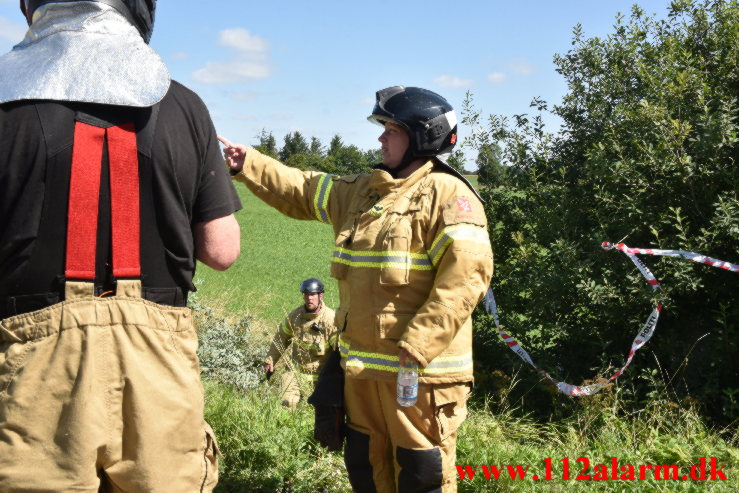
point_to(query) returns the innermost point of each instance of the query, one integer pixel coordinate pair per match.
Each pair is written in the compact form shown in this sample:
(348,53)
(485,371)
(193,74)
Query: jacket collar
(84,52)
(383,183)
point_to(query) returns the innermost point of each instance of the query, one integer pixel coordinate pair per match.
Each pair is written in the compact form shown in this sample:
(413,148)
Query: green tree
(347,160)
(267,143)
(315,146)
(490,171)
(373,156)
(335,145)
(294,144)
(456,160)
(647,153)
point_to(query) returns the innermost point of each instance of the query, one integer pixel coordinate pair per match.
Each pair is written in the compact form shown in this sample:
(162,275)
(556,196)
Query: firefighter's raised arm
(298,194)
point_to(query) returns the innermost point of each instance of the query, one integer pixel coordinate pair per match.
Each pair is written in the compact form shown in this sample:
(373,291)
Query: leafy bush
(230,352)
(647,153)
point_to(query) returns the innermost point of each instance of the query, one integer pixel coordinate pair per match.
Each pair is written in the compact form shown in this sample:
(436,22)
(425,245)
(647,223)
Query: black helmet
(429,118)
(139,13)
(312,285)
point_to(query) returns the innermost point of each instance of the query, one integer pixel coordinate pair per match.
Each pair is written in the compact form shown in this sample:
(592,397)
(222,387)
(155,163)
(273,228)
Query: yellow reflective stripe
(286,330)
(391,363)
(379,259)
(320,199)
(456,232)
(358,363)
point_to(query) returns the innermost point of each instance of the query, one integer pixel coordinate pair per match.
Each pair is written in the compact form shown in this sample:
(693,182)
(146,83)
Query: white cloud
(453,82)
(367,101)
(11,31)
(179,56)
(248,63)
(241,40)
(234,71)
(497,77)
(522,68)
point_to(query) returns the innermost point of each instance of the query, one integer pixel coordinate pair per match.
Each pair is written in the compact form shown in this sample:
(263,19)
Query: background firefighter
(412,256)
(307,332)
(111,185)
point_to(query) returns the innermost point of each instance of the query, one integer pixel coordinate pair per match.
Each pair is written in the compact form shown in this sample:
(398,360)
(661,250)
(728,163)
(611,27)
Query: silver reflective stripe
(456,232)
(400,260)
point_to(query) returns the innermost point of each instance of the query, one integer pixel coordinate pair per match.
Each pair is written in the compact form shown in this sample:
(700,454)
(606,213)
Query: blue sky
(314,66)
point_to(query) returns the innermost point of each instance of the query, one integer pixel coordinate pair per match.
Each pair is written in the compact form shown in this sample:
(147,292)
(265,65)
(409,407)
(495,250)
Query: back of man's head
(140,13)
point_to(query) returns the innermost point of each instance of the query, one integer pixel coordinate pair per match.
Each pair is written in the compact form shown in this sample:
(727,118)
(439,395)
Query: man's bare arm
(218,242)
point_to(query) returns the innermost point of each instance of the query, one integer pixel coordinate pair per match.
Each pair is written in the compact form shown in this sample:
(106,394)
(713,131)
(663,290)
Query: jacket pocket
(392,325)
(450,407)
(339,258)
(396,267)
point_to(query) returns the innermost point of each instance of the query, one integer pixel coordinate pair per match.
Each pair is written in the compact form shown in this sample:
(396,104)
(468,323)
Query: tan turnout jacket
(412,257)
(311,335)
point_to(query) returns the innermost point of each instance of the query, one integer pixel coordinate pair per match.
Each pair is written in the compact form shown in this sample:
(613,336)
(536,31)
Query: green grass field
(277,254)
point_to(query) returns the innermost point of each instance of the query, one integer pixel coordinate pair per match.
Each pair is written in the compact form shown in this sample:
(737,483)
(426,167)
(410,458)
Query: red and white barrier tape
(641,338)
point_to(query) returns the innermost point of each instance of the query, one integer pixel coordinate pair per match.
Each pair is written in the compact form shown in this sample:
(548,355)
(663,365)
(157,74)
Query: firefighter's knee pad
(420,470)
(356,459)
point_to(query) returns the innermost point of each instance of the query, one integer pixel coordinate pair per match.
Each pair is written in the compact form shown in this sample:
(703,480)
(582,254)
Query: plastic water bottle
(407,387)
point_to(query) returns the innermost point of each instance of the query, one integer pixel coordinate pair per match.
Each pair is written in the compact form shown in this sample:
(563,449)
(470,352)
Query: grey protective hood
(85,52)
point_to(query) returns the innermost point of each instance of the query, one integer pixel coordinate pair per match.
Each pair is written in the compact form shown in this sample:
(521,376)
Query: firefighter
(112,186)
(413,258)
(310,329)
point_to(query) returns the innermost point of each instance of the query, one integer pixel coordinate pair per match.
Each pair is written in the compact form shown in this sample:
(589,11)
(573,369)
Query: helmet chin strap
(407,159)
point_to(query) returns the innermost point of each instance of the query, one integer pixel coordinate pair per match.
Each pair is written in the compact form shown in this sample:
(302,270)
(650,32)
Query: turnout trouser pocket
(450,407)
(210,460)
(12,357)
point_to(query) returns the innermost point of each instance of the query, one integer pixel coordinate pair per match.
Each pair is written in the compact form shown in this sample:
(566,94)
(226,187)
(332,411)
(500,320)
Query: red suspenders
(84,193)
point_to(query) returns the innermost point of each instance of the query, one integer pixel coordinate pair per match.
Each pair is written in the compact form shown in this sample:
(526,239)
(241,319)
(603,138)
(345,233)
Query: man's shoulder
(458,201)
(296,312)
(327,311)
(328,315)
(180,94)
(446,186)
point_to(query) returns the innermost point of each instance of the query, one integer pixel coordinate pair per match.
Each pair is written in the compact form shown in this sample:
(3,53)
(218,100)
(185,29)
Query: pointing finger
(225,141)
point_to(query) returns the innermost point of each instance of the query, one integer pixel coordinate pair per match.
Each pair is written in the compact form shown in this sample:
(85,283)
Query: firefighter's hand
(234,154)
(404,356)
(328,429)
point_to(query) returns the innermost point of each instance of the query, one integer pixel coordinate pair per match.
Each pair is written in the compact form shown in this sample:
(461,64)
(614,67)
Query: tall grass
(267,448)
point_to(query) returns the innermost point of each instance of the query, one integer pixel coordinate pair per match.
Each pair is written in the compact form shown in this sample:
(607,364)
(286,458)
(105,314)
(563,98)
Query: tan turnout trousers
(103,393)
(402,449)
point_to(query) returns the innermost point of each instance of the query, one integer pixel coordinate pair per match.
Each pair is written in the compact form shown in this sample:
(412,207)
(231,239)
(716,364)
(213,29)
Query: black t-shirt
(183,181)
